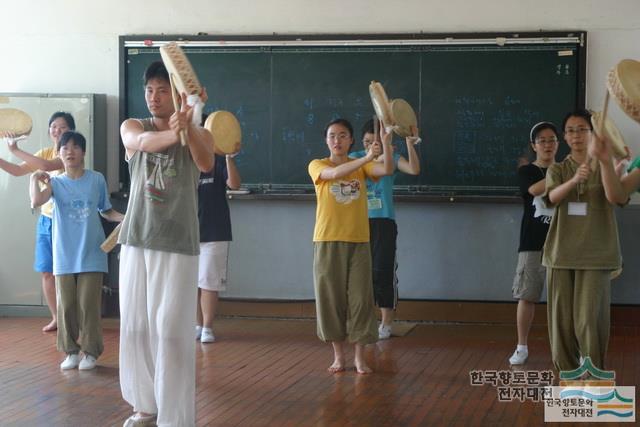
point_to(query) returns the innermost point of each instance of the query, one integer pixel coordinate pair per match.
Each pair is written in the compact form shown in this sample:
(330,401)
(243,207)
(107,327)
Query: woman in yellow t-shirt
(341,253)
(45,159)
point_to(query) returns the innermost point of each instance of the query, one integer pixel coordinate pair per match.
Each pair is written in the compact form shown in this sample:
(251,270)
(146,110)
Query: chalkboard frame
(407,192)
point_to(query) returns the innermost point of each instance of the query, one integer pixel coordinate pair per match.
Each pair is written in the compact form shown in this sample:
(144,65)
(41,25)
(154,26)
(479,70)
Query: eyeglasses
(576,130)
(341,135)
(546,140)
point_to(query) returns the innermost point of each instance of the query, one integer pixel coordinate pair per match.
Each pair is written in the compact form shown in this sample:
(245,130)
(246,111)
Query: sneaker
(384,332)
(198,332)
(71,362)
(88,362)
(207,335)
(519,357)
(136,420)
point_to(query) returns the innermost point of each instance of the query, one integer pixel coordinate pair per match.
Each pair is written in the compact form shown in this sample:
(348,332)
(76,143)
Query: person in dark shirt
(215,235)
(530,274)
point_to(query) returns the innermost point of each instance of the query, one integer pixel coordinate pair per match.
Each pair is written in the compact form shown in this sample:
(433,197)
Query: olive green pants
(578,316)
(344,292)
(79,305)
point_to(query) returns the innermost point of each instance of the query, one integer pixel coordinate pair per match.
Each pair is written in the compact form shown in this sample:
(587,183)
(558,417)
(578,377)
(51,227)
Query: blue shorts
(43,262)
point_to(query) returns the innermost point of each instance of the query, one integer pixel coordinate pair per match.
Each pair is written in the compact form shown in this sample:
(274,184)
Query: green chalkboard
(475,102)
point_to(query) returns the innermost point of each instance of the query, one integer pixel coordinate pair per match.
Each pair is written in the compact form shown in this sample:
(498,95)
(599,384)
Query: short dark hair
(367,127)
(67,118)
(155,70)
(581,112)
(77,138)
(343,122)
(539,127)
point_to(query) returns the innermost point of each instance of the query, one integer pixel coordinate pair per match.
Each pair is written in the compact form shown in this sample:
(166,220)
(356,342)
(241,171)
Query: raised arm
(411,166)
(199,140)
(386,167)
(631,181)
(32,162)
(134,138)
(39,188)
(613,188)
(335,172)
(201,147)
(13,169)
(561,192)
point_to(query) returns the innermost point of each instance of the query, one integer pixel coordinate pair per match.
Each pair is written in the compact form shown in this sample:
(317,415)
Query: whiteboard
(19,284)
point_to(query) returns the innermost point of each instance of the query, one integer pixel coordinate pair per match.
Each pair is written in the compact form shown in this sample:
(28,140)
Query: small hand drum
(183,80)
(623,83)
(403,117)
(611,133)
(15,121)
(112,240)
(180,69)
(226,131)
(397,114)
(380,103)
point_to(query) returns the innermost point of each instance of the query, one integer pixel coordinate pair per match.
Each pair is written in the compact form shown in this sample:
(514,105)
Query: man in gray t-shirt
(159,257)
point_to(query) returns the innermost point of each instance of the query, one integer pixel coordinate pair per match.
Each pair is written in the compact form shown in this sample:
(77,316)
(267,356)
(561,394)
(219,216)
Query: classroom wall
(446,251)
(72,47)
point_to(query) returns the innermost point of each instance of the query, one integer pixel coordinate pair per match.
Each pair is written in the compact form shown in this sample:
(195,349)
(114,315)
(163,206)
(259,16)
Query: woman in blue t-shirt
(80,197)
(382,225)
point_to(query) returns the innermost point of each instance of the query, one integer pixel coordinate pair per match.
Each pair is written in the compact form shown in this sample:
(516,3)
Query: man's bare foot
(52,326)
(362,367)
(337,366)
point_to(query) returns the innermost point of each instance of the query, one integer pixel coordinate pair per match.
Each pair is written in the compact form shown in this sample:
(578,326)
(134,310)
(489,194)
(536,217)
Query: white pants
(158,293)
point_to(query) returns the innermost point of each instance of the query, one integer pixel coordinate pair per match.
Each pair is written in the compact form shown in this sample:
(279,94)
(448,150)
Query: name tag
(577,208)
(374,203)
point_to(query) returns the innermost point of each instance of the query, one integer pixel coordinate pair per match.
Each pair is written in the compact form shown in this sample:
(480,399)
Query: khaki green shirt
(163,203)
(588,242)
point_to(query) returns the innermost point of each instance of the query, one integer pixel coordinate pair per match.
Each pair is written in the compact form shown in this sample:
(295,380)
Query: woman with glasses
(47,160)
(530,274)
(341,254)
(580,252)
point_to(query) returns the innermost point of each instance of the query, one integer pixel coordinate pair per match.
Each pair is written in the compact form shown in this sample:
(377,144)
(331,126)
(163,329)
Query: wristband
(415,140)
(231,156)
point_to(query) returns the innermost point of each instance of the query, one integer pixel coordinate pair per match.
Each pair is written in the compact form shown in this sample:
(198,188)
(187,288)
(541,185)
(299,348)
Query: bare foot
(52,326)
(337,366)
(362,367)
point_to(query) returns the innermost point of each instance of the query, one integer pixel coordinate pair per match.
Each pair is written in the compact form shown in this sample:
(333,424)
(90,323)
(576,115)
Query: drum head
(178,65)
(225,128)
(611,132)
(15,121)
(380,103)
(403,116)
(623,83)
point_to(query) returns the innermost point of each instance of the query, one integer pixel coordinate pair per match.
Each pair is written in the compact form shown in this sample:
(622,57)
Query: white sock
(198,328)
(210,330)
(522,348)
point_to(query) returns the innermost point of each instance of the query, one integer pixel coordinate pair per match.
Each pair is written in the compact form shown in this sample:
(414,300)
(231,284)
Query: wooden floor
(273,373)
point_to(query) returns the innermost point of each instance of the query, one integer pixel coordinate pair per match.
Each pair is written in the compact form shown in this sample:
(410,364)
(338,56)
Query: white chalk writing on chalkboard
(308,103)
(292,136)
